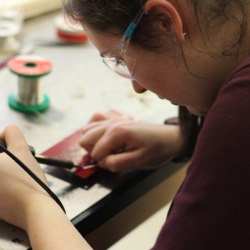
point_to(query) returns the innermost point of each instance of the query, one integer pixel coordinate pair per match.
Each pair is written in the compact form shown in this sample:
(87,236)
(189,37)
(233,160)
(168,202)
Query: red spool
(70,32)
(74,38)
(30,66)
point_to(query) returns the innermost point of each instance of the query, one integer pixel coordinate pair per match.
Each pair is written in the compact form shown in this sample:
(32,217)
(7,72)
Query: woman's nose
(137,87)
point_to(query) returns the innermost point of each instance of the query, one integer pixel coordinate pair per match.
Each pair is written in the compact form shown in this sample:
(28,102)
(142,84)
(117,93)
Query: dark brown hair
(112,17)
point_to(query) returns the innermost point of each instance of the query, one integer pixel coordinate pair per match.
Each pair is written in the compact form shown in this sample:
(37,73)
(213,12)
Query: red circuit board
(70,150)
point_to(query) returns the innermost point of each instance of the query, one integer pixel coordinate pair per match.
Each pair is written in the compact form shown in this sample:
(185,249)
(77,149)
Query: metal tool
(52,161)
(60,163)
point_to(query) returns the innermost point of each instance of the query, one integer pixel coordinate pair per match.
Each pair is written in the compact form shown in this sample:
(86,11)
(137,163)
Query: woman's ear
(169,16)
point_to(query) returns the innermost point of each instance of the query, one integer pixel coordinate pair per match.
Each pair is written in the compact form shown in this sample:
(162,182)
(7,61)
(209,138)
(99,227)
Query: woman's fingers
(91,135)
(17,144)
(123,161)
(145,146)
(92,125)
(14,138)
(115,137)
(111,114)
(97,132)
(114,114)
(98,117)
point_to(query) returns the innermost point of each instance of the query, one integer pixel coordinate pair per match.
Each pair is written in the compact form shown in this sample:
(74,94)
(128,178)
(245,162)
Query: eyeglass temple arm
(131,28)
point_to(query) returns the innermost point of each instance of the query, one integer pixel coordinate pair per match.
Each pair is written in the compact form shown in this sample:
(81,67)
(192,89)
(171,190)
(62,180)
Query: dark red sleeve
(212,208)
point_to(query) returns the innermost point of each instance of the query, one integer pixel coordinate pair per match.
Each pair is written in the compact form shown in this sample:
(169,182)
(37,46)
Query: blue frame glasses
(116,59)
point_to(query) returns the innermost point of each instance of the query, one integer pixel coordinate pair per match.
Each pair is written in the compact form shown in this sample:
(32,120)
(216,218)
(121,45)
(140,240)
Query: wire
(27,170)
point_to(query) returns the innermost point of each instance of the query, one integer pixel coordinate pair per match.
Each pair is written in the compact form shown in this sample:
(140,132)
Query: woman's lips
(175,103)
(160,97)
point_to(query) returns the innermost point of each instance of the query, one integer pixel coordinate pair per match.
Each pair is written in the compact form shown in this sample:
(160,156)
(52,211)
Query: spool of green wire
(29,97)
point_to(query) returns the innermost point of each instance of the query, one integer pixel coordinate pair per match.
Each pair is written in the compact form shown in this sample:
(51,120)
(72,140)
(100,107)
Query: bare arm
(49,228)
(25,204)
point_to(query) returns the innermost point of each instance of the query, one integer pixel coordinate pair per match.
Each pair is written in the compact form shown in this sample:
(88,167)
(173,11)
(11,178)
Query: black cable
(27,170)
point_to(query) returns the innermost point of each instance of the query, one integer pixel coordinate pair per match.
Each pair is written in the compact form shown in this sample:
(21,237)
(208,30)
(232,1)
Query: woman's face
(195,86)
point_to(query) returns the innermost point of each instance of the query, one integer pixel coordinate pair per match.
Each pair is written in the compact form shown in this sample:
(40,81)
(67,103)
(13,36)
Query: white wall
(33,8)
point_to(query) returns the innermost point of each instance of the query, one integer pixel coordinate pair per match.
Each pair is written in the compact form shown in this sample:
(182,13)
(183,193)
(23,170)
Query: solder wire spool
(8,41)
(29,97)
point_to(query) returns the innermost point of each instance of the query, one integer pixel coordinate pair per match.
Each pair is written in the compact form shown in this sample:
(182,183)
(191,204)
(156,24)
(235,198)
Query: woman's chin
(196,111)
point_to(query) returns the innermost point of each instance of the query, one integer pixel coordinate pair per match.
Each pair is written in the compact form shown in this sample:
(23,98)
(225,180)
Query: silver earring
(175,38)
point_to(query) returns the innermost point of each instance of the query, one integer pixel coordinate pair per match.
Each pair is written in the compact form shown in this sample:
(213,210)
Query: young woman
(193,53)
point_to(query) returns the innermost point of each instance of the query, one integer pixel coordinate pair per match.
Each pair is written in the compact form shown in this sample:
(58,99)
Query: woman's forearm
(49,228)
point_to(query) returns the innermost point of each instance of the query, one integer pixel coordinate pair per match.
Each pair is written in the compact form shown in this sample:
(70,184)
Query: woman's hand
(141,145)
(25,204)
(17,188)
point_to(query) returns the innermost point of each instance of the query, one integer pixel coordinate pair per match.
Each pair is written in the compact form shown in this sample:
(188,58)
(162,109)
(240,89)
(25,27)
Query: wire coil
(30,70)
(8,40)
(30,91)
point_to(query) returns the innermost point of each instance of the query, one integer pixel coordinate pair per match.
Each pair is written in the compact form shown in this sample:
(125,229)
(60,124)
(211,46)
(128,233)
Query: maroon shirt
(212,207)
